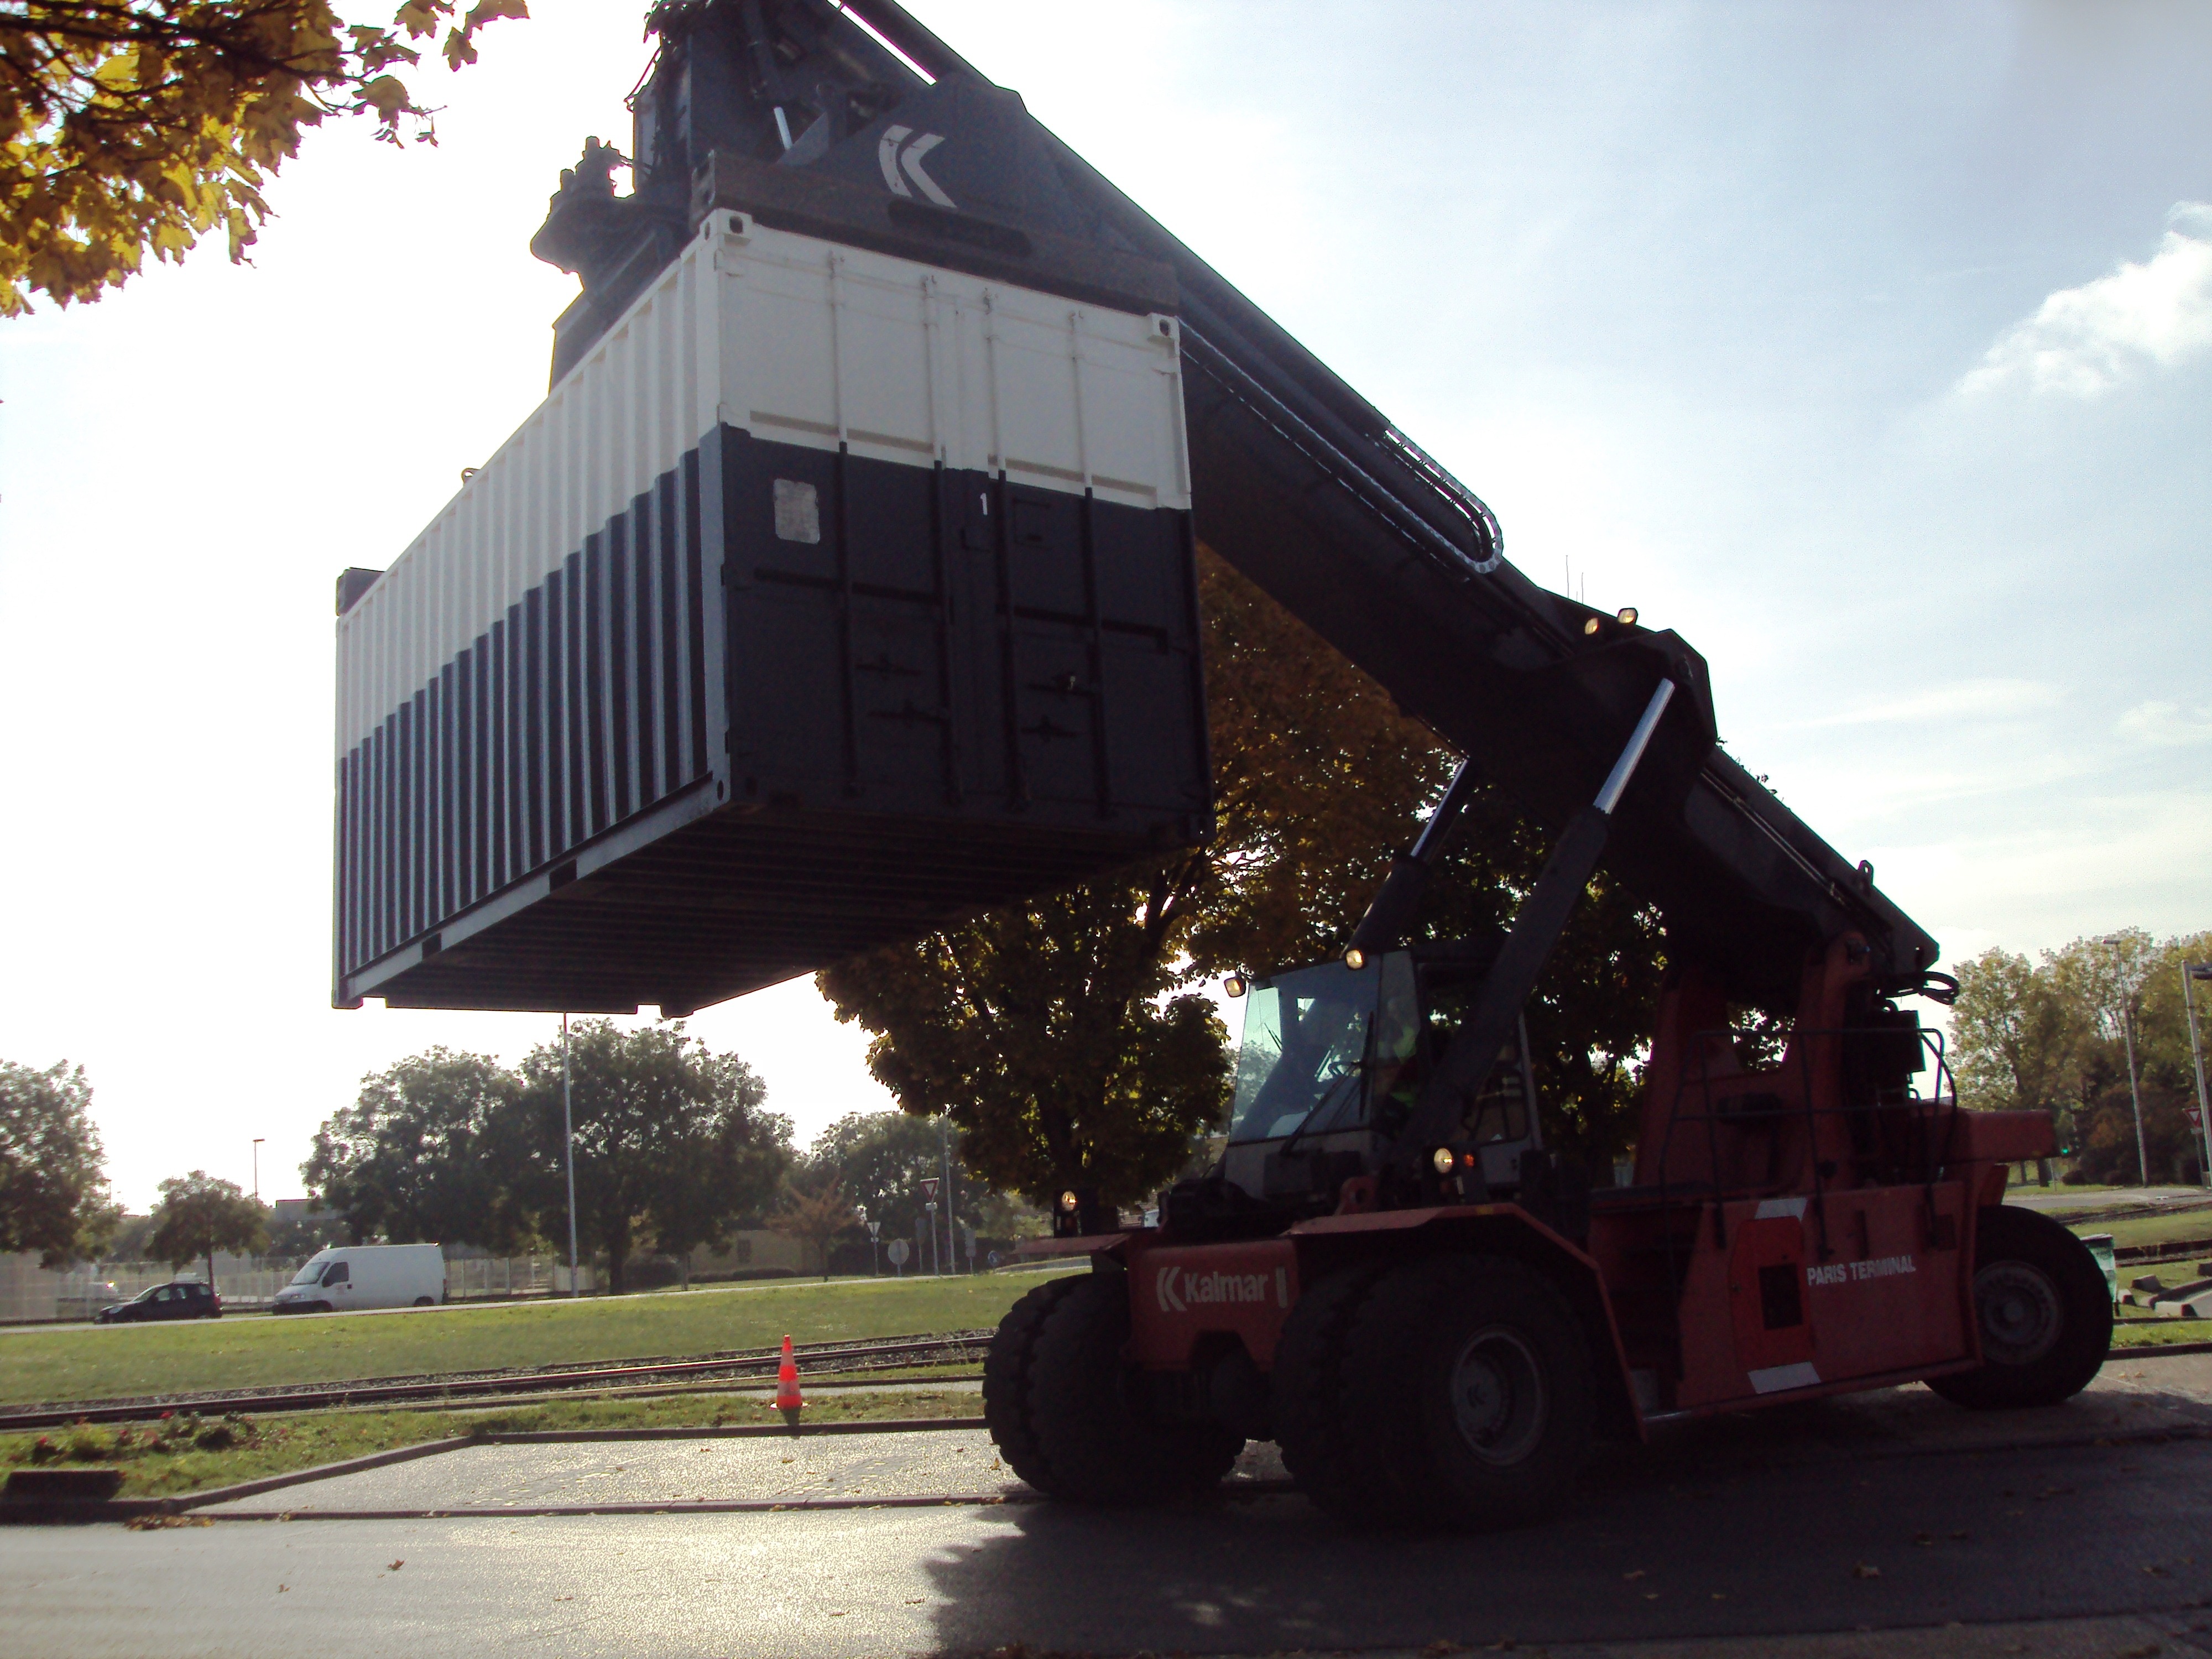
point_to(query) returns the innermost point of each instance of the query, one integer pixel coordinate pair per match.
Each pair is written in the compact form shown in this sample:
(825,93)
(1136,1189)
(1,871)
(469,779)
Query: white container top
(795,340)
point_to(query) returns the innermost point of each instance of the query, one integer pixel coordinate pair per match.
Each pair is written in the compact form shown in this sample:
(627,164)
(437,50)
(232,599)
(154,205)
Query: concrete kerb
(732,1431)
(1235,1492)
(133,1508)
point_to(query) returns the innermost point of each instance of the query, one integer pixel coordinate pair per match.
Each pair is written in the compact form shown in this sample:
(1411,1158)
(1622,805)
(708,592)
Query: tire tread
(1007,1368)
(1309,1421)
(2010,1232)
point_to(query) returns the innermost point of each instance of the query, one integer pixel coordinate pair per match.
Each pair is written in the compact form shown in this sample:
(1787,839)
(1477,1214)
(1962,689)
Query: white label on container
(798,512)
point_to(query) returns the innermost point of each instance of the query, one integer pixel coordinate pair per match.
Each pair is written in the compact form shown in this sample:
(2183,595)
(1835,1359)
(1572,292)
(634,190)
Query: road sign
(2196,1118)
(929,1187)
(898,1249)
(875,1229)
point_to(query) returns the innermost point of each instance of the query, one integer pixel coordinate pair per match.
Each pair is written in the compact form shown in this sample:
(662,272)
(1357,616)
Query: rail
(461,1388)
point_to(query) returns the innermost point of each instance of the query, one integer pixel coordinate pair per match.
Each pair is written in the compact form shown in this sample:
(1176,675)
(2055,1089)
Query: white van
(349,1276)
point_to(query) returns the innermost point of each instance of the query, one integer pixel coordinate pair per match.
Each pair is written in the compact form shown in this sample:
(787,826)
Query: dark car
(182,1299)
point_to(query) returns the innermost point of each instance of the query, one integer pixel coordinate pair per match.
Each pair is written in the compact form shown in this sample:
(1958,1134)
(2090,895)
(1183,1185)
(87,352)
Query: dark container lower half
(792,705)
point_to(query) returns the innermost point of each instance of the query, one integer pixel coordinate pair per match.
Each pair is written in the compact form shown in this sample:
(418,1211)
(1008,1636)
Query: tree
(412,1158)
(136,125)
(2016,1036)
(1318,780)
(2123,992)
(1049,1034)
(997,1215)
(133,1240)
(2105,977)
(54,1196)
(673,1143)
(302,1238)
(2164,1030)
(881,1159)
(1322,781)
(199,1215)
(1058,1034)
(1589,1015)
(816,1215)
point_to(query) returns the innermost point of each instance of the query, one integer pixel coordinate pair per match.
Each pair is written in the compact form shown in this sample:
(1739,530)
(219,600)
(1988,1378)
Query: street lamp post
(258,1139)
(2128,992)
(2191,972)
(944,1156)
(568,1141)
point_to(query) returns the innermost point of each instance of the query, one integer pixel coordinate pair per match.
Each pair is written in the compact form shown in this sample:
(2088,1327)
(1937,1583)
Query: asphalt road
(1797,1523)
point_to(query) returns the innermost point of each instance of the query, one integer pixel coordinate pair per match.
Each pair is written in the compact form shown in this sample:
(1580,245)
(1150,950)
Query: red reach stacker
(1440,1324)
(843,586)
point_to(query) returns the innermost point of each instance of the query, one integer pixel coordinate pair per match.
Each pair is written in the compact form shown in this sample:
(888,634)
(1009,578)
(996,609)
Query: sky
(1869,348)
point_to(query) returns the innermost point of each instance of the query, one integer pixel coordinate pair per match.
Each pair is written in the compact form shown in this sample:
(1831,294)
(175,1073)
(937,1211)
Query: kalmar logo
(896,157)
(1179,1289)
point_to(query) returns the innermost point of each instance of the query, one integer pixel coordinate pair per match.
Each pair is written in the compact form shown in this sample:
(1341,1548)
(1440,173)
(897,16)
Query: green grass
(99,1362)
(187,1455)
(2149,1229)
(2157,1333)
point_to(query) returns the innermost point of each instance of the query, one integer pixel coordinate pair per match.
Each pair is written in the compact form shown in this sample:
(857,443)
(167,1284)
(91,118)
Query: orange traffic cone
(788,1398)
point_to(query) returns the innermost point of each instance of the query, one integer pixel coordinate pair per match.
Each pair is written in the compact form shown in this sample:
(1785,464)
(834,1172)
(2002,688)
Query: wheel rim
(1499,1403)
(2020,1313)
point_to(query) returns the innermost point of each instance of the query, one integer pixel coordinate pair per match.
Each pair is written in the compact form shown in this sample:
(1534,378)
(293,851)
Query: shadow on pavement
(1779,1522)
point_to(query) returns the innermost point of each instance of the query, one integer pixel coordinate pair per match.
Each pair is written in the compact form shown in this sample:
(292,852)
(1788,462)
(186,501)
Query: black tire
(2044,1311)
(1468,1395)
(1006,1380)
(1310,1422)
(1096,1445)
(425,1302)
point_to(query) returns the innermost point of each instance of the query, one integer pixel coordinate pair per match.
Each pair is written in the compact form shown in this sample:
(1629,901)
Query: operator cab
(1333,1058)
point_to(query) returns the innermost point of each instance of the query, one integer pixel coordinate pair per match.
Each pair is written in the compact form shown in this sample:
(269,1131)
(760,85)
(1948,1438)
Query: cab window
(338,1274)
(1304,1051)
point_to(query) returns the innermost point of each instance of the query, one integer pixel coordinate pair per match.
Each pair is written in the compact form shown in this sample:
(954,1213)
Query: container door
(840,670)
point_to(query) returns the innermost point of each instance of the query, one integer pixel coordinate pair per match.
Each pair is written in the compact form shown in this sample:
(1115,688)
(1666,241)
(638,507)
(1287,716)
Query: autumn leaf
(131,129)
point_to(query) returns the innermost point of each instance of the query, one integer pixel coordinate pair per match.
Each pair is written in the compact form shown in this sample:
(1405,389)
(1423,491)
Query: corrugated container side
(538,689)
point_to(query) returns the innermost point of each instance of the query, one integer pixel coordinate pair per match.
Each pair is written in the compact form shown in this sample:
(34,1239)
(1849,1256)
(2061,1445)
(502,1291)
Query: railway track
(841,1359)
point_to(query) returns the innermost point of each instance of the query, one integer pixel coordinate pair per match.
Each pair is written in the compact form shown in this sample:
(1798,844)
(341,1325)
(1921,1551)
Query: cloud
(2084,341)
(1960,700)
(2166,726)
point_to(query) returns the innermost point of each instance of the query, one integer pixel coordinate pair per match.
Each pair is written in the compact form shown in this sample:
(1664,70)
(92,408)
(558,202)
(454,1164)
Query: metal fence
(31,1294)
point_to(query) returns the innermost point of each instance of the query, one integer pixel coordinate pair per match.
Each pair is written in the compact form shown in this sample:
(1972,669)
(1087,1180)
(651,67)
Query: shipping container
(830,598)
